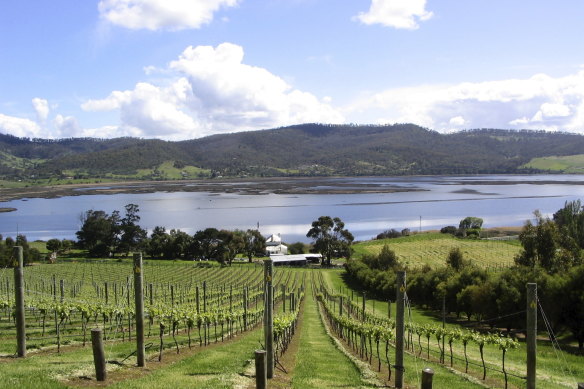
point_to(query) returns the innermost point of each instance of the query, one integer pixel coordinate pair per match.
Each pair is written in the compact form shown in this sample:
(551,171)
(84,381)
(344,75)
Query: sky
(184,69)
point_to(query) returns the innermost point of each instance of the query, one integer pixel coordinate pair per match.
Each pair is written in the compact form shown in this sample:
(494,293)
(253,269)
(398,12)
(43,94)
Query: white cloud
(66,126)
(539,102)
(401,14)
(19,127)
(161,14)
(41,106)
(457,121)
(213,91)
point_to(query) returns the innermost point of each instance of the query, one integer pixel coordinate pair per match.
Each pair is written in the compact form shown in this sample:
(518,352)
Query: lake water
(437,202)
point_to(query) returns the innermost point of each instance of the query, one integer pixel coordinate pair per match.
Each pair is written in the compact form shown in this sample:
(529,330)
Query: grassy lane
(319,364)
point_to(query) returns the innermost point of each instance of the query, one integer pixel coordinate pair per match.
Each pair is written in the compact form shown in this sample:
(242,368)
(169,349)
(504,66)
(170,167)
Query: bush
(389,234)
(449,230)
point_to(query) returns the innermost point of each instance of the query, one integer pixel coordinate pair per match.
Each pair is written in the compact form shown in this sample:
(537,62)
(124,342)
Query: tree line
(106,235)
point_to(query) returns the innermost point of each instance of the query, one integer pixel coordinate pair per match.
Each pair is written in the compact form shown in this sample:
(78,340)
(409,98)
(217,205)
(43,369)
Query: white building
(274,246)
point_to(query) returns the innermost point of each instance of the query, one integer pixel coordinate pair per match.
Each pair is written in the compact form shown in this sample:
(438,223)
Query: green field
(571,164)
(432,249)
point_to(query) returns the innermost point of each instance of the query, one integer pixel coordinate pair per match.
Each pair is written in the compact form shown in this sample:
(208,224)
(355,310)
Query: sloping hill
(307,149)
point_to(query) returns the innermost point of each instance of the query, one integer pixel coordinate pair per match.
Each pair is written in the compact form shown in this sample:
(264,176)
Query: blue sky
(182,69)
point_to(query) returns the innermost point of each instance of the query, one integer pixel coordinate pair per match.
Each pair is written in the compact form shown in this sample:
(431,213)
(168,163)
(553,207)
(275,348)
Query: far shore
(243,186)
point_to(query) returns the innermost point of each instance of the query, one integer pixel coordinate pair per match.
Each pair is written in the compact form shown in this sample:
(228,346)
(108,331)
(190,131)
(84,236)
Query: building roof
(293,257)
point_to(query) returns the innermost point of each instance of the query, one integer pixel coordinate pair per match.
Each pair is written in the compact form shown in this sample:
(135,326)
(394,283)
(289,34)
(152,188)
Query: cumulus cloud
(66,126)
(41,106)
(538,102)
(401,14)
(20,127)
(161,14)
(213,91)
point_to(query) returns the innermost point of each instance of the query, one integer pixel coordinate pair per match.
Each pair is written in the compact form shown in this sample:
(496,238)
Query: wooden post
(363,306)
(260,367)
(400,328)
(139,301)
(197,299)
(283,298)
(269,323)
(62,290)
(204,296)
(106,293)
(531,338)
(581,385)
(128,304)
(98,354)
(443,326)
(245,308)
(427,376)
(341,306)
(389,309)
(19,300)
(150,294)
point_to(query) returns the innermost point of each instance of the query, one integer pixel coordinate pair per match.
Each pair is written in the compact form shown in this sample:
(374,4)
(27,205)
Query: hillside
(301,150)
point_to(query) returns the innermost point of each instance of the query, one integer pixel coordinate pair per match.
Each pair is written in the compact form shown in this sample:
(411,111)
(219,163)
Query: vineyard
(415,251)
(202,325)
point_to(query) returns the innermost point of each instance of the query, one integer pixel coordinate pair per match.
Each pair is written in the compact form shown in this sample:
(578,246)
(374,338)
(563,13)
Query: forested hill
(308,149)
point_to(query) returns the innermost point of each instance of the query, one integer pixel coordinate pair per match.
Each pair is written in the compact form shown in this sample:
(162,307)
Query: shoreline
(248,186)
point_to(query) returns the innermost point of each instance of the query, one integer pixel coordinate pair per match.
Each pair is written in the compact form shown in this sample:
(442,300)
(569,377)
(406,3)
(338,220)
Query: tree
(330,238)
(155,245)
(455,259)
(98,233)
(53,245)
(232,243)
(131,234)
(207,244)
(540,244)
(254,243)
(471,222)
(573,304)
(296,248)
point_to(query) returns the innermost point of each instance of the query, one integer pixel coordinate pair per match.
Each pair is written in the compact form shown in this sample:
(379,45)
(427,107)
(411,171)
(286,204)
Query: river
(427,203)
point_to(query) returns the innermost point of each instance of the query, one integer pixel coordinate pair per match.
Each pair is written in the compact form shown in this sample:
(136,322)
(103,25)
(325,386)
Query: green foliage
(254,244)
(331,239)
(456,259)
(471,222)
(551,245)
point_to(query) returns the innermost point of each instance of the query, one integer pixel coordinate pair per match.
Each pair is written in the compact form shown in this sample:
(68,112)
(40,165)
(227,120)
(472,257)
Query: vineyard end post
(427,376)
(98,354)
(269,324)
(260,368)
(19,299)
(400,328)
(139,301)
(531,341)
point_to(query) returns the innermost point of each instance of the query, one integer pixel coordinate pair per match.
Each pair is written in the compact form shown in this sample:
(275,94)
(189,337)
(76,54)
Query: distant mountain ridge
(299,150)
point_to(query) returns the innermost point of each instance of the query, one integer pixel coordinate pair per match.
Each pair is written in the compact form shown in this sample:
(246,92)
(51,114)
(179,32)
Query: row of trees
(30,254)
(103,235)
(492,299)
(554,244)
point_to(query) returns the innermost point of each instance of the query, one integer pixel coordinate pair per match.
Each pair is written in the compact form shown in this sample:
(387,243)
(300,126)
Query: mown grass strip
(319,364)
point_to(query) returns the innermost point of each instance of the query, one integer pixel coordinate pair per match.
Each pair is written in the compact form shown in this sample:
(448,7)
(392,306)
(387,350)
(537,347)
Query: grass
(433,248)
(319,364)
(555,369)
(571,164)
